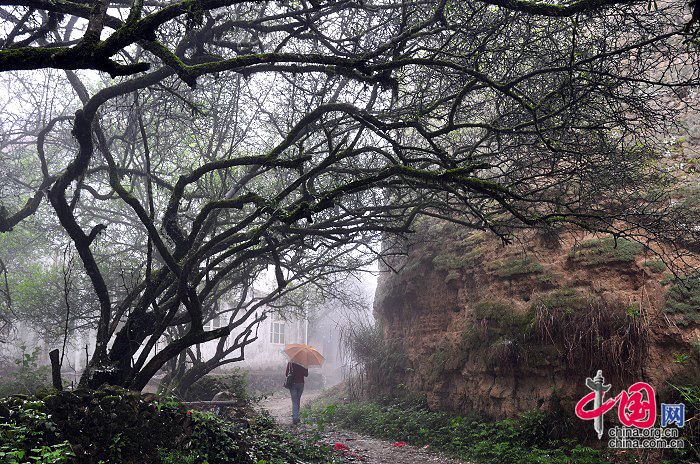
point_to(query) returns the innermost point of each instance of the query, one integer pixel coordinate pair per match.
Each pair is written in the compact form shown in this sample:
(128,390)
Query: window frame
(278,332)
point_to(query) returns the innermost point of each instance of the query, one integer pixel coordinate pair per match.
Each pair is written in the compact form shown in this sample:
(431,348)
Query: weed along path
(352,446)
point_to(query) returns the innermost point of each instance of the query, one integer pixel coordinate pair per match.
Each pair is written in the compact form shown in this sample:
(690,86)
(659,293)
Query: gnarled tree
(309,129)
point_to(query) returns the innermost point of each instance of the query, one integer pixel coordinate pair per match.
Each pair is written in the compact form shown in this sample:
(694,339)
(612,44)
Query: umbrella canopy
(305,355)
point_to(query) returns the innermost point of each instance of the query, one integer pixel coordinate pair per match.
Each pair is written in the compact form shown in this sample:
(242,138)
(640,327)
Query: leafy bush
(30,436)
(446,358)
(529,439)
(549,278)
(690,396)
(205,388)
(607,250)
(502,318)
(564,299)
(118,426)
(26,377)
(215,441)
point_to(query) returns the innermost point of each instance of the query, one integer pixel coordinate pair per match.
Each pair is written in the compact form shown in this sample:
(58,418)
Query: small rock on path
(361,448)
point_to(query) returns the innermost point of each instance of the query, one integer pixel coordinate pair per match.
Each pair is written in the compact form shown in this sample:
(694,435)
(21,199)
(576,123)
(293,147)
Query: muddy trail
(360,448)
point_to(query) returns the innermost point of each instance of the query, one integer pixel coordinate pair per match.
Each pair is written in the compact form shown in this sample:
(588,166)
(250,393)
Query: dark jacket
(298,372)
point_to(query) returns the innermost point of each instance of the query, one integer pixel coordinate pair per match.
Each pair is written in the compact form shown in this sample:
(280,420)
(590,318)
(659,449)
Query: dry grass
(594,336)
(506,354)
(372,361)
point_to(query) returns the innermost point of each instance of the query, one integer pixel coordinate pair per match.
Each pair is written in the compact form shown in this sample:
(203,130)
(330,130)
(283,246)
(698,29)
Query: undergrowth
(377,361)
(121,427)
(446,359)
(689,395)
(530,439)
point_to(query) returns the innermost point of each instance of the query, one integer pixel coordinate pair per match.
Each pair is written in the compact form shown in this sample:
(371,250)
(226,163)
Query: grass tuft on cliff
(515,267)
(501,318)
(683,300)
(603,251)
(591,334)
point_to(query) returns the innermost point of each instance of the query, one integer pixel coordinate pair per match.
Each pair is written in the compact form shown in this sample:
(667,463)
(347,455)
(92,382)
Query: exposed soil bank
(505,329)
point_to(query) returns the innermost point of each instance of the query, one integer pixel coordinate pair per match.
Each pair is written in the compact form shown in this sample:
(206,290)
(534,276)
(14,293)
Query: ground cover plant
(528,439)
(113,425)
(172,153)
(532,438)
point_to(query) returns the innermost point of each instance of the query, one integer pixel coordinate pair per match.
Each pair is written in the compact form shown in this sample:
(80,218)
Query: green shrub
(456,259)
(526,440)
(549,278)
(656,265)
(690,396)
(113,425)
(215,441)
(473,338)
(453,275)
(603,251)
(446,359)
(26,377)
(494,310)
(683,300)
(508,268)
(205,388)
(31,437)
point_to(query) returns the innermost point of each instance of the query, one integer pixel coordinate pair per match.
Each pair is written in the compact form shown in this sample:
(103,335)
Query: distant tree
(309,129)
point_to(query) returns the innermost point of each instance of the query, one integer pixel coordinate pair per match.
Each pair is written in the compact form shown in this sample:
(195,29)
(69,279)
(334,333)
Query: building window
(214,322)
(277,332)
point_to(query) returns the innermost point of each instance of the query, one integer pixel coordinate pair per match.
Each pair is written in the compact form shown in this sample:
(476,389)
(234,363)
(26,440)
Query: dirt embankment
(505,329)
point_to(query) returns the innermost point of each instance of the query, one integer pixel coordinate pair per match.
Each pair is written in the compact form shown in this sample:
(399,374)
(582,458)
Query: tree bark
(56,370)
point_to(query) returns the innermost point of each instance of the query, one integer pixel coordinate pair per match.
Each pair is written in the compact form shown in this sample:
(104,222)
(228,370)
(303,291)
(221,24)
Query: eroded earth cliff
(503,329)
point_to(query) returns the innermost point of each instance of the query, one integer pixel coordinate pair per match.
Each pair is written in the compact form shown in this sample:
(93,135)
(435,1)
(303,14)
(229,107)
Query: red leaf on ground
(340,447)
(400,444)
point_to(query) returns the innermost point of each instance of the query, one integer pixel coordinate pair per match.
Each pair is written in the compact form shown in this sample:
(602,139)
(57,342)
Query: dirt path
(360,448)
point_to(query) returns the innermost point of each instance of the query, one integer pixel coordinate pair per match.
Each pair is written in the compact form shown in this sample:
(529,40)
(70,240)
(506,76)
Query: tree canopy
(232,138)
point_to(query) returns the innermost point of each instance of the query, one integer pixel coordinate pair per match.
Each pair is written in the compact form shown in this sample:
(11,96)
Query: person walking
(297,373)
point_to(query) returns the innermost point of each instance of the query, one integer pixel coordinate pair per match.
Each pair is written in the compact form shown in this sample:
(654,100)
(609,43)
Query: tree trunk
(56,370)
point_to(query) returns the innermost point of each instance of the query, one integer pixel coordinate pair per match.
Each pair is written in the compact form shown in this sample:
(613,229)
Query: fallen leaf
(340,447)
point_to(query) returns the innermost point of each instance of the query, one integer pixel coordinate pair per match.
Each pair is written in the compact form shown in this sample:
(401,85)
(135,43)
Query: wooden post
(56,370)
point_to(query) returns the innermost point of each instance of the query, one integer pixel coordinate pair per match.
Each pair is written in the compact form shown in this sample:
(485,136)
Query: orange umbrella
(303,354)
